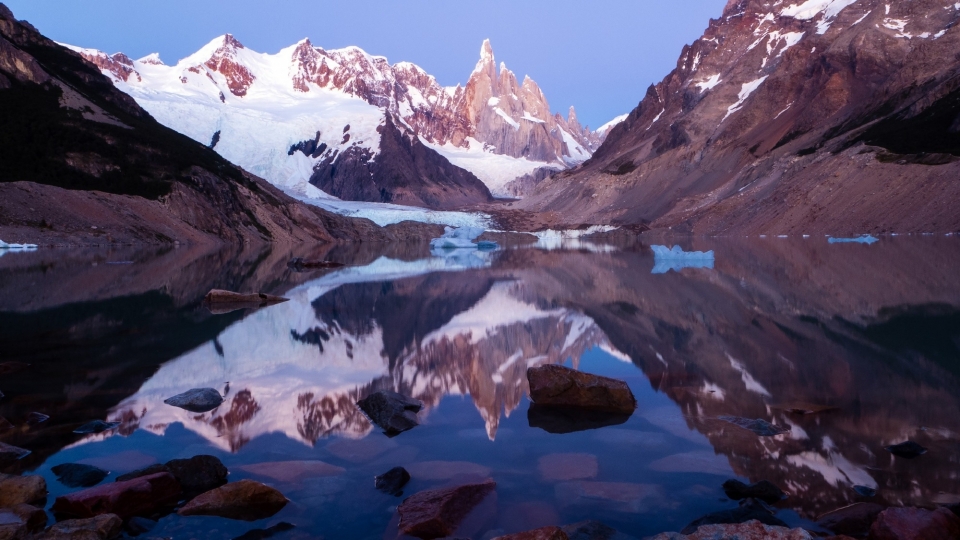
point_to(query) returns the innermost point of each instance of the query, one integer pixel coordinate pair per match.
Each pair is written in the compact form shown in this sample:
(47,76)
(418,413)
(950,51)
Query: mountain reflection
(865,339)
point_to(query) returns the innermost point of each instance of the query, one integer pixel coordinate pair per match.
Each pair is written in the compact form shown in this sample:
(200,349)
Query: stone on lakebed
(436,513)
(140,496)
(245,500)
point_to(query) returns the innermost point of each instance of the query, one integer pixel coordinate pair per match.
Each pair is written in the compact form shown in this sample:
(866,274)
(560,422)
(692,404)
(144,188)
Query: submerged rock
(138,497)
(553,385)
(392,481)
(750,530)
(915,524)
(220,301)
(103,527)
(570,466)
(393,412)
(136,526)
(906,450)
(293,471)
(553,419)
(260,534)
(749,509)
(865,491)
(198,400)
(245,500)
(299,264)
(10,453)
(16,490)
(146,471)
(853,520)
(759,426)
(35,418)
(436,513)
(593,530)
(20,521)
(762,490)
(543,533)
(97,426)
(5,425)
(198,474)
(77,475)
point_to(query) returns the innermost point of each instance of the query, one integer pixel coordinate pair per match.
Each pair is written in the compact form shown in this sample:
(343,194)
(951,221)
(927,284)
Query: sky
(597,55)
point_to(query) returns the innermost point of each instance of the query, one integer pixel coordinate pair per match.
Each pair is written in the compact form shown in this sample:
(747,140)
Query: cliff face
(253,108)
(81,162)
(833,116)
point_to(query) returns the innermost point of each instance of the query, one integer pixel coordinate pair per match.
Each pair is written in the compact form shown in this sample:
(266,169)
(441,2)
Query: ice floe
(865,239)
(5,247)
(676,258)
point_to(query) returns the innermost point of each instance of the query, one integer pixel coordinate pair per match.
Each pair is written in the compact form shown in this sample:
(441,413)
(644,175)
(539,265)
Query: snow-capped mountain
(789,116)
(307,118)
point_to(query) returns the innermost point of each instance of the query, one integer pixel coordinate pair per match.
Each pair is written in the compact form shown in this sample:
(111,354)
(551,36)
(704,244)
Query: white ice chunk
(461,237)
(26,247)
(865,239)
(675,258)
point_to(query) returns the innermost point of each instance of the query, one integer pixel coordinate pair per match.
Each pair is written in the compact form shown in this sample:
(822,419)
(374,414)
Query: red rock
(751,530)
(915,524)
(436,513)
(293,471)
(560,386)
(568,466)
(854,519)
(246,500)
(138,497)
(102,527)
(543,533)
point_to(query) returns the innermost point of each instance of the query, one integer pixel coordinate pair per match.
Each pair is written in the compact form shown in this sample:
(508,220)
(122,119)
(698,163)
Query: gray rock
(97,426)
(198,474)
(393,412)
(392,481)
(198,400)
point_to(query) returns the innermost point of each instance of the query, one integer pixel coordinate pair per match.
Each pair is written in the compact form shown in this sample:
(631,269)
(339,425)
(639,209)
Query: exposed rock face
(16,490)
(564,387)
(436,513)
(140,496)
(405,171)
(132,180)
(245,500)
(835,117)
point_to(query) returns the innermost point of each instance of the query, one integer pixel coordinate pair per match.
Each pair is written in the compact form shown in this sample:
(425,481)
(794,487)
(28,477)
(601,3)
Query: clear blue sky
(598,55)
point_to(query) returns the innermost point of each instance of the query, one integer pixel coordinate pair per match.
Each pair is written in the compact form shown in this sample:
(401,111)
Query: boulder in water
(16,490)
(558,386)
(392,481)
(245,500)
(97,426)
(198,400)
(762,490)
(142,496)
(393,412)
(906,450)
(76,475)
(436,513)
(749,509)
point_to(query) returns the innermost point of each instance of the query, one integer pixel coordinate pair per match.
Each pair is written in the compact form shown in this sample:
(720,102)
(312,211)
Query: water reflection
(851,347)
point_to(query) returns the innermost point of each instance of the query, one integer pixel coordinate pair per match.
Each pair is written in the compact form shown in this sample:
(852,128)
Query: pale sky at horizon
(598,56)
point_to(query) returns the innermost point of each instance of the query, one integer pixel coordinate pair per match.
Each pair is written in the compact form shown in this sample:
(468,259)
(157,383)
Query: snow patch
(610,125)
(745,91)
(709,83)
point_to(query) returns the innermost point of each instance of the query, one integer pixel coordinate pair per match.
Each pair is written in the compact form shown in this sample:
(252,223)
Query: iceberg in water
(5,247)
(675,258)
(865,239)
(459,238)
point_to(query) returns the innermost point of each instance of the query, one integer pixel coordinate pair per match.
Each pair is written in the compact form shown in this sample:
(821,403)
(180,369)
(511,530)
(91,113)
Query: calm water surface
(869,333)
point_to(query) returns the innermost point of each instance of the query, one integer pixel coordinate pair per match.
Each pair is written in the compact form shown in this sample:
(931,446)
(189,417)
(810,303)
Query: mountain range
(355,126)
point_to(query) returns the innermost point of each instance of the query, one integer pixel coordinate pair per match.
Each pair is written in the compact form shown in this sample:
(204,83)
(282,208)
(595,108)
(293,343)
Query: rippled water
(868,335)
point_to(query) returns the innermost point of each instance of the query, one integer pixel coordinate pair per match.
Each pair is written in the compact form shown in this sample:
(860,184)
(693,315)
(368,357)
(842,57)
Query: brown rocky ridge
(783,119)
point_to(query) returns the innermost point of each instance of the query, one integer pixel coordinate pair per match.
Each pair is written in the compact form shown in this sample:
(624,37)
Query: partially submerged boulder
(436,513)
(915,524)
(762,490)
(198,474)
(553,385)
(300,264)
(97,426)
(392,481)
(593,530)
(245,500)
(757,425)
(103,527)
(906,450)
(76,475)
(16,490)
(393,412)
(21,521)
(10,453)
(138,497)
(198,400)
(219,301)
(750,530)
(854,520)
(749,510)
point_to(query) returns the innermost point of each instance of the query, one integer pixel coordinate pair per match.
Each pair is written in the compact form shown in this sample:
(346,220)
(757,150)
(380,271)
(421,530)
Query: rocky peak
(153,59)
(225,61)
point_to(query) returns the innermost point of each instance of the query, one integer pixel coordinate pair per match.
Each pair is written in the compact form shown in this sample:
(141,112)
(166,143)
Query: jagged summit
(495,127)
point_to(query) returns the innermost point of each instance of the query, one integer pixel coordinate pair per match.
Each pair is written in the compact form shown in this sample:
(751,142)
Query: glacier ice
(460,237)
(865,239)
(5,247)
(675,258)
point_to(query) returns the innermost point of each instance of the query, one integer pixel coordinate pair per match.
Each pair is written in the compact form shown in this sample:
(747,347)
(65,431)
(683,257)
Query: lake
(848,347)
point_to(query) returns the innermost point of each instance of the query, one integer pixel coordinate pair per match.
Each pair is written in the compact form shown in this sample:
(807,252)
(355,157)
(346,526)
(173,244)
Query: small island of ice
(676,258)
(865,239)
(5,247)
(459,238)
